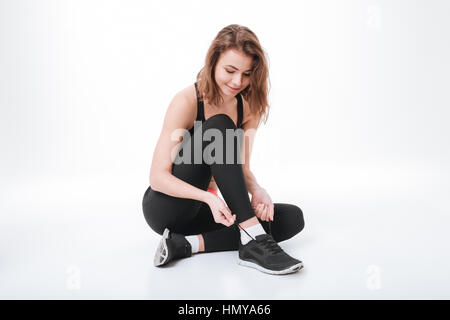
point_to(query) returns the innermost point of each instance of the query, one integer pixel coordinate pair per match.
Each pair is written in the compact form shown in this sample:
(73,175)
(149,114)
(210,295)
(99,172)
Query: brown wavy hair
(245,41)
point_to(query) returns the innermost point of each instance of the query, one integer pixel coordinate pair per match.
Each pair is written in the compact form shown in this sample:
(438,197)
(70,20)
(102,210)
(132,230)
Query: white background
(357,137)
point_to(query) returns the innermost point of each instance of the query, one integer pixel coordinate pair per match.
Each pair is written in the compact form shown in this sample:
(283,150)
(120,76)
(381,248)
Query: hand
(219,210)
(262,204)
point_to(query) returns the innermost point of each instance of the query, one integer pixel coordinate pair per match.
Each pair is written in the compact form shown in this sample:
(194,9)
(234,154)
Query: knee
(290,222)
(220,121)
(158,228)
(298,222)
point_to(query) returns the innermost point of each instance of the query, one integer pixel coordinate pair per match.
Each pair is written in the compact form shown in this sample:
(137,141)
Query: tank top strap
(200,106)
(240,108)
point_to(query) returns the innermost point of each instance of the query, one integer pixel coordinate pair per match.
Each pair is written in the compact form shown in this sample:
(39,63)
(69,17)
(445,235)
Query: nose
(237,81)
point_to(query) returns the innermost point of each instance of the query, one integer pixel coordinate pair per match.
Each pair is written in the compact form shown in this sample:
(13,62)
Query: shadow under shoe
(172,246)
(264,254)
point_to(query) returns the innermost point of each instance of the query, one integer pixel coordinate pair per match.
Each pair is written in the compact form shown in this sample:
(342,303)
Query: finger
(264,213)
(227,214)
(224,220)
(259,211)
(255,209)
(261,207)
(231,215)
(267,213)
(226,223)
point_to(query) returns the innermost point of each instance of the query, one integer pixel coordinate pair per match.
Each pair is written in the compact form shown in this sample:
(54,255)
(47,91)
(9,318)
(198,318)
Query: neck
(228,99)
(228,102)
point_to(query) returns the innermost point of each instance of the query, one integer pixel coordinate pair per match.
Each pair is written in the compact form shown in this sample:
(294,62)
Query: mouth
(233,89)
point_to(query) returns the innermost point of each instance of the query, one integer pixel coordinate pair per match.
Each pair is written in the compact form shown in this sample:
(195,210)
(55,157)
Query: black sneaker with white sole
(264,253)
(172,246)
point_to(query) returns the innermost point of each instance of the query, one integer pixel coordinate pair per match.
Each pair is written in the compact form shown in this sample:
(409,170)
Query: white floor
(86,238)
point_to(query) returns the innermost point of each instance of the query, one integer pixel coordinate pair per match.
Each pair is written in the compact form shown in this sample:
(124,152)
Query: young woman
(181,202)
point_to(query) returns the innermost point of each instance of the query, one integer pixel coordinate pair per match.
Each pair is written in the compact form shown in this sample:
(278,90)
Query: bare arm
(250,180)
(250,128)
(261,201)
(178,116)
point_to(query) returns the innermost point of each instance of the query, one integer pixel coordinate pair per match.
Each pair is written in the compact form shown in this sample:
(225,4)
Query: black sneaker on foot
(264,253)
(171,247)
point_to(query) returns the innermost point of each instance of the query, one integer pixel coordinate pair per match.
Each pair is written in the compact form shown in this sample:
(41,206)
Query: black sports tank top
(201,111)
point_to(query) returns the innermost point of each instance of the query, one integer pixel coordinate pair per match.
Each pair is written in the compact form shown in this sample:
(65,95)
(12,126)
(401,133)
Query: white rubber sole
(162,251)
(292,269)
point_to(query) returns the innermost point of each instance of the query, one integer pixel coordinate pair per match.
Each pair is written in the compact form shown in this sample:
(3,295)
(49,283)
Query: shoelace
(270,229)
(271,245)
(268,243)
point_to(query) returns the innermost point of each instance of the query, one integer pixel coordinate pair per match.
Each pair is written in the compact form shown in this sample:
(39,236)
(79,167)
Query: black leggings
(190,217)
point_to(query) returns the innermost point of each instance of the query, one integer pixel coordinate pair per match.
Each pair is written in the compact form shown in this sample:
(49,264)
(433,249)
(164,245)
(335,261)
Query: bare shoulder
(189,94)
(183,107)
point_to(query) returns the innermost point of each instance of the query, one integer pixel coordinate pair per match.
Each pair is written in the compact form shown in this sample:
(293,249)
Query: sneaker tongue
(262,237)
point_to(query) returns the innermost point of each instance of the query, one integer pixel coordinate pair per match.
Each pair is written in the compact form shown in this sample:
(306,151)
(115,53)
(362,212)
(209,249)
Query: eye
(245,74)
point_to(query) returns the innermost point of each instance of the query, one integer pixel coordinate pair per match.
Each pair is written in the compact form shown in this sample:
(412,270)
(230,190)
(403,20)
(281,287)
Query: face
(233,71)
